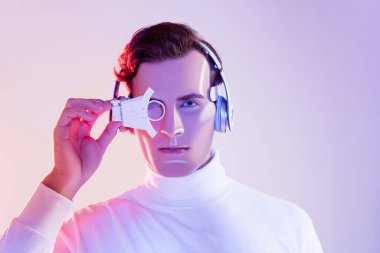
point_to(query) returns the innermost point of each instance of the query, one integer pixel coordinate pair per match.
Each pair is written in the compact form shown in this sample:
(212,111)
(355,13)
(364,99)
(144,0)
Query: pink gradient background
(304,77)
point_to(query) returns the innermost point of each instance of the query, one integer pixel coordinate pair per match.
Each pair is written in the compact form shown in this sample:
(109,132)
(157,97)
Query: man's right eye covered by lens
(156,110)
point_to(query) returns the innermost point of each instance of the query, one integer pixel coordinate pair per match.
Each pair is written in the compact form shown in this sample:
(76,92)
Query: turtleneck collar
(204,185)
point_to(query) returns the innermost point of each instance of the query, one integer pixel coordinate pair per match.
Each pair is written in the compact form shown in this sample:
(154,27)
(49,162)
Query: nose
(172,125)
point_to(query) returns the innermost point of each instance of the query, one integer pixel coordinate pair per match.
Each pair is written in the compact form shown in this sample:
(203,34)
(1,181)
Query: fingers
(123,129)
(87,110)
(69,114)
(86,126)
(78,117)
(108,134)
(95,105)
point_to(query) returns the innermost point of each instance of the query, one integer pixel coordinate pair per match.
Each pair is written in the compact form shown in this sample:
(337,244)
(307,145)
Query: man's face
(183,142)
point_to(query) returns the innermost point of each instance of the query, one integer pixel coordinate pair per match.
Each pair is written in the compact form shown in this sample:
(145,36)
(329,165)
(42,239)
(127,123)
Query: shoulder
(104,212)
(92,223)
(276,211)
(279,218)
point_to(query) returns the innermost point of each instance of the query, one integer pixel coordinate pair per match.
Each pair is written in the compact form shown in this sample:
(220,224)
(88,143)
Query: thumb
(108,134)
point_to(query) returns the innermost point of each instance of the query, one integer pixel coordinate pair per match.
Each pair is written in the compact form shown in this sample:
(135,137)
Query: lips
(173,150)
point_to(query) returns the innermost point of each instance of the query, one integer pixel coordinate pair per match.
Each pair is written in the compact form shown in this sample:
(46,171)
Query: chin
(179,166)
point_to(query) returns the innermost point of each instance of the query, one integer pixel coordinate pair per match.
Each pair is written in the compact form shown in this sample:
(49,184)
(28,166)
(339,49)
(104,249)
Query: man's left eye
(189,104)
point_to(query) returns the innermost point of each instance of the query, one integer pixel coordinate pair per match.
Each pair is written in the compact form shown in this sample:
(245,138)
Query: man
(187,203)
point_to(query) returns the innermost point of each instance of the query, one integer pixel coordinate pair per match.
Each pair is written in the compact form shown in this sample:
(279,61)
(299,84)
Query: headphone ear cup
(221,115)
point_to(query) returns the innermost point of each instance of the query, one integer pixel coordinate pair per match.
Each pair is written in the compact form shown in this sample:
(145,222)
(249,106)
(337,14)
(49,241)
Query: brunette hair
(160,42)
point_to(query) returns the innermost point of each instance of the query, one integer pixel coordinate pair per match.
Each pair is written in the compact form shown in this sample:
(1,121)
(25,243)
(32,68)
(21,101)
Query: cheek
(207,115)
(201,123)
(156,125)
(145,144)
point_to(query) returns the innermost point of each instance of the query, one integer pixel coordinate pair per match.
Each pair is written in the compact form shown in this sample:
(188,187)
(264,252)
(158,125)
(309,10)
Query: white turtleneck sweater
(202,212)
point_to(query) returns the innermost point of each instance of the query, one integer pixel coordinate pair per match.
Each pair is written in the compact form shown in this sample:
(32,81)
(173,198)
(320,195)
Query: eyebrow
(186,97)
(192,95)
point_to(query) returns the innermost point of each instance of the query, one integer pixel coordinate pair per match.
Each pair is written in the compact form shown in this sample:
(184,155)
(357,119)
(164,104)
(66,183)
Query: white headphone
(224,108)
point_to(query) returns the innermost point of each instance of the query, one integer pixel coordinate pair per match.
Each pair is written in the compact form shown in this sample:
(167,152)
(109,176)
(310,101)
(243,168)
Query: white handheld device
(133,112)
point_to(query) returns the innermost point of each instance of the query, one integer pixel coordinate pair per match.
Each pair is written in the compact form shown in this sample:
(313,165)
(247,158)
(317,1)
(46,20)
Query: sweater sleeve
(36,228)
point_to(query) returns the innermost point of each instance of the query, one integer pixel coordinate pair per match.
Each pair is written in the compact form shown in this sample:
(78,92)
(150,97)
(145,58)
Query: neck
(206,184)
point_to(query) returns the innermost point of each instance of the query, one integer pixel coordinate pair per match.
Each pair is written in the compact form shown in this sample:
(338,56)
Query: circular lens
(156,110)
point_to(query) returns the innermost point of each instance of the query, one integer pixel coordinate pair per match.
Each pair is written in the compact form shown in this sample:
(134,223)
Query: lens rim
(162,105)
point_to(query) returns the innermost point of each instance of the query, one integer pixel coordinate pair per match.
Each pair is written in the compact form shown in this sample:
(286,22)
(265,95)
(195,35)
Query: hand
(76,154)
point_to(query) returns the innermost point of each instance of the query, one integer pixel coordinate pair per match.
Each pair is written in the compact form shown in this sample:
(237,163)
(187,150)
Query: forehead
(174,77)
